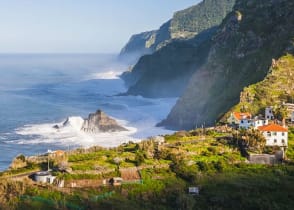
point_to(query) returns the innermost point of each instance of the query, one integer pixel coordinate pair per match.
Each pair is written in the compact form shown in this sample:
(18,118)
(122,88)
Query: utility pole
(48,167)
(48,160)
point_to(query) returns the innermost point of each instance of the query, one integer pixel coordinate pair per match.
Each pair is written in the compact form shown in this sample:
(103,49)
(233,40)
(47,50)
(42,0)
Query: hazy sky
(79,25)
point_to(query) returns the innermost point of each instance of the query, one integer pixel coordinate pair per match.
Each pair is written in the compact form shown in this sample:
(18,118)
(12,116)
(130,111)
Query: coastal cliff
(276,89)
(184,24)
(241,54)
(179,47)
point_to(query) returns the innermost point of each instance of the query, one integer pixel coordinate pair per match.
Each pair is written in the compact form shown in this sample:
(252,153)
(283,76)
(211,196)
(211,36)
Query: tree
(117,161)
(281,112)
(250,139)
(139,158)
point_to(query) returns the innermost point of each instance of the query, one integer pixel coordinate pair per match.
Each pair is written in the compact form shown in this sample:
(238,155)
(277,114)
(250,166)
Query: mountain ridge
(184,24)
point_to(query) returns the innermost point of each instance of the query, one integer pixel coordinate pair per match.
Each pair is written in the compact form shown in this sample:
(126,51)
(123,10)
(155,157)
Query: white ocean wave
(110,74)
(140,118)
(72,135)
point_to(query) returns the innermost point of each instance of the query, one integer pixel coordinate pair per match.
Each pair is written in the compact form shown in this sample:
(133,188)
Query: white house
(259,122)
(44,177)
(252,123)
(292,117)
(245,123)
(275,135)
(269,113)
(237,117)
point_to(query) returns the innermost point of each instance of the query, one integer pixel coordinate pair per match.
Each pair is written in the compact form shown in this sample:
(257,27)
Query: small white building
(193,190)
(269,115)
(237,117)
(252,123)
(159,139)
(259,122)
(275,135)
(292,117)
(116,181)
(44,177)
(245,123)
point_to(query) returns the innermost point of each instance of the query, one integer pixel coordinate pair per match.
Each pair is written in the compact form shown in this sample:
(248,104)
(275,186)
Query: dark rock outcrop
(100,122)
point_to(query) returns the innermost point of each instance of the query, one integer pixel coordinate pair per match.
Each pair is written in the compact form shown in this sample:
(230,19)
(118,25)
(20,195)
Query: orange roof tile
(59,152)
(242,115)
(273,127)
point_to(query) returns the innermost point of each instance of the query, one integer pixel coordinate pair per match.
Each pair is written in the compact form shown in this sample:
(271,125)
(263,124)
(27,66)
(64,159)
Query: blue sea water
(38,91)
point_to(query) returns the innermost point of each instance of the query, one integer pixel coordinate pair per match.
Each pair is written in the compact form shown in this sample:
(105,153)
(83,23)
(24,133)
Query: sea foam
(70,133)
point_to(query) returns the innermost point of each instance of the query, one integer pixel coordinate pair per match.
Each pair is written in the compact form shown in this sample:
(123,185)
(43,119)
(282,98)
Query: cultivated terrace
(157,174)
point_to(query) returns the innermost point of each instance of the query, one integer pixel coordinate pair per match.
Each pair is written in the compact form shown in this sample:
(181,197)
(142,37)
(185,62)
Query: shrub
(21,157)
(203,166)
(139,158)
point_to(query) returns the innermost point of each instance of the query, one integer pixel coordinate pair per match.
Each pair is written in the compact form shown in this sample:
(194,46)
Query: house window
(275,140)
(274,133)
(268,133)
(242,121)
(283,141)
(283,134)
(267,117)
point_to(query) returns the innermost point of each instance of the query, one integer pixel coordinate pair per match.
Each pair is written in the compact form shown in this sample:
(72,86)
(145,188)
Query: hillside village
(274,131)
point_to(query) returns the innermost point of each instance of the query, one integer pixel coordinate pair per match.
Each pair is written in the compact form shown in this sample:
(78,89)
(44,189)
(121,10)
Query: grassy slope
(276,88)
(226,182)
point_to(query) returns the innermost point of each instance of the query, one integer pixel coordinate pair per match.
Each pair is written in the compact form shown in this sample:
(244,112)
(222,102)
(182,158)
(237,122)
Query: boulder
(100,122)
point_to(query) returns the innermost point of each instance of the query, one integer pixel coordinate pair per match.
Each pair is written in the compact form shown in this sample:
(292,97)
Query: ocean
(38,91)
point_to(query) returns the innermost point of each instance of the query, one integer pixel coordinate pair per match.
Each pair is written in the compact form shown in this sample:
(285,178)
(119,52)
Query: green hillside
(241,55)
(201,158)
(209,13)
(277,88)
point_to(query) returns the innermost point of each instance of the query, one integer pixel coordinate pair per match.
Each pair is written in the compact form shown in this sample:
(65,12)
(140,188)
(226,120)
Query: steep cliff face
(241,54)
(277,88)
(185,24)
(167,72)
(139,44)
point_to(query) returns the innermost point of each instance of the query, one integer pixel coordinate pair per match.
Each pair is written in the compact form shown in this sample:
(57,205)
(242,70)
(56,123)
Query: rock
(18,162)
(100,122)
(56,126)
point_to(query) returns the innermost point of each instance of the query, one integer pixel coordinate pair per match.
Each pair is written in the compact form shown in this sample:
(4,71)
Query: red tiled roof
(273,127)
(59,152)
(242,115)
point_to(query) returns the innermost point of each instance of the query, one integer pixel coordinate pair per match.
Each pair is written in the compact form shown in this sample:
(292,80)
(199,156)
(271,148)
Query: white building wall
(233,120)
(276,138)
(292,117)
(258,123)
(269,113)
(245,124)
